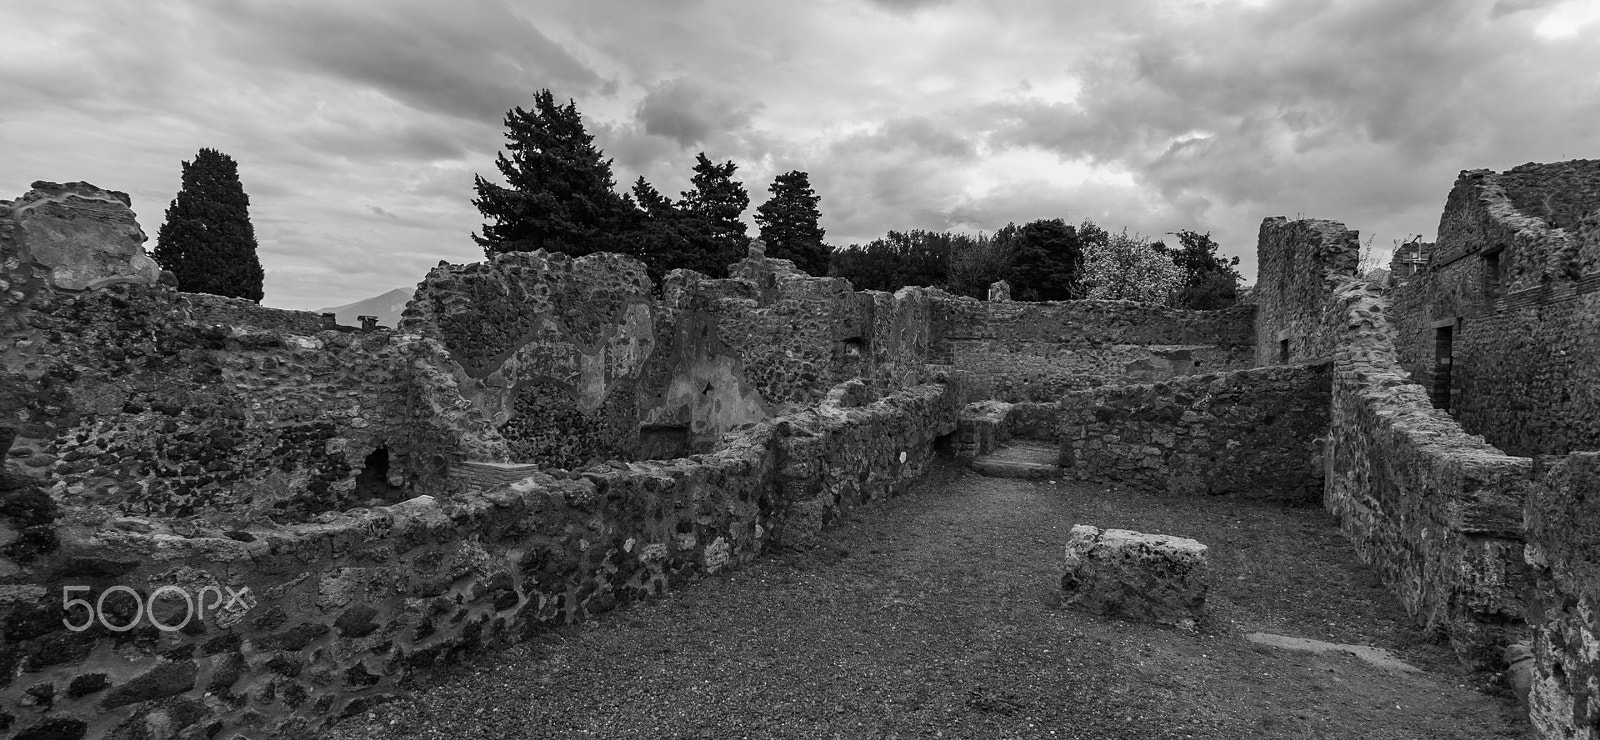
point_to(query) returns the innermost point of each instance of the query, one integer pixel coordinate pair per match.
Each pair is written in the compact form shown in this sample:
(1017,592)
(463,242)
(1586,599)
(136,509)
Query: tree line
(560,195)
(1048,260)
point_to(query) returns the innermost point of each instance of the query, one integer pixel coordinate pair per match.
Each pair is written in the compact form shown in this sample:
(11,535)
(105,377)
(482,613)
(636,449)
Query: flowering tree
(1130,268)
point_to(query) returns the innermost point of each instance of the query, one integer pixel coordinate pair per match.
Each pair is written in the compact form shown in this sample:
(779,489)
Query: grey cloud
(413,142)
(1508,7)
(691,113)
(947,138)
(472,60)
(906,5)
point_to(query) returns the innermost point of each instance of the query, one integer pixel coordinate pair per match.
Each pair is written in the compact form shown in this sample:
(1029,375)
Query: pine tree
(1048,261)
(710,217)
(657,235)
(207,239)
(560,195)
(789,222)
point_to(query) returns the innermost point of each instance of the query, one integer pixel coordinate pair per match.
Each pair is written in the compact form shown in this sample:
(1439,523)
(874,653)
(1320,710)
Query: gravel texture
(938,614)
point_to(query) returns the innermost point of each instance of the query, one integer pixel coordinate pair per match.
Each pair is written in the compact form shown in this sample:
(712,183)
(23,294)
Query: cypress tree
(207,239)
(790,225)
(560,195)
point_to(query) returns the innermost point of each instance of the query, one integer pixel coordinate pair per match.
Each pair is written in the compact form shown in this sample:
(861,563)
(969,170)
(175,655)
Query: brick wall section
(343,609)
(1515,279)
(1563,529)
(1249,433)
(1298,264)
(1026,351)
(1436,511)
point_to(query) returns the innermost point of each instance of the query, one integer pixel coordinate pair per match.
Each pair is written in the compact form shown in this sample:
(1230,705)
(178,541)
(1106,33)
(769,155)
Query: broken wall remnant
(1027,351)
(71,237)
(1148,577)
(1249,433)
(1298,264)
(131,398)
(1503,320)
(1435,510)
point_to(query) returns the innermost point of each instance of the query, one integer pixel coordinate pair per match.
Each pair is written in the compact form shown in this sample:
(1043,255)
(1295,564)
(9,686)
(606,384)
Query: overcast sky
(358,125)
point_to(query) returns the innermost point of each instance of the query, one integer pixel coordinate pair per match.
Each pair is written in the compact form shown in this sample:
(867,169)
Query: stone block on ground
(1149,577)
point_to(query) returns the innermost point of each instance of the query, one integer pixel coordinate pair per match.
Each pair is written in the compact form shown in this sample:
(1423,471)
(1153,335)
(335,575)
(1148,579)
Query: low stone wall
(1250,433)
(1035,420)
(334,615)
(981,428)
(1436,511)
(1563,530)
(1035,351)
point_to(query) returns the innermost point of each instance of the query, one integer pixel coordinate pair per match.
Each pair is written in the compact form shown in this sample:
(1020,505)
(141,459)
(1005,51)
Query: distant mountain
(386,307)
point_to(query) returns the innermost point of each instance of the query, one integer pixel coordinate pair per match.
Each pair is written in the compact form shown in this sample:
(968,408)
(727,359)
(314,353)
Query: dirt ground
(938,614)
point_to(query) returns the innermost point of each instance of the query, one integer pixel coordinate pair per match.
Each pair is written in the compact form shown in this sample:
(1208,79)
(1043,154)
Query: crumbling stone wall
(130,398)
(338,613)
(1249,433)
(1035,351)
(1563,530)
(1436,511)
(552,349)
(131,409)
(1298,263)
(799,335)
(576,361)
(1511,293)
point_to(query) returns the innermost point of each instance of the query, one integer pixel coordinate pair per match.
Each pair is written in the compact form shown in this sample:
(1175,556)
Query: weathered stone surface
(1149,577)
(981,428)
(1298,263)
(1248,433)
(1563,552)
(1376,656)
(1035,351)
(85,237)
(1433,509)
(1515,280)
(430,579)
(1031,460)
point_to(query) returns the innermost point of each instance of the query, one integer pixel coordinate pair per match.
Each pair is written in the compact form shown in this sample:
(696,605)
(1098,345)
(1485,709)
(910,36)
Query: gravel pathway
(938,614)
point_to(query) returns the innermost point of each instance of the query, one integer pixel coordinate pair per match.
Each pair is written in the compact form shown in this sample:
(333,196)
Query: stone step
(1021,459)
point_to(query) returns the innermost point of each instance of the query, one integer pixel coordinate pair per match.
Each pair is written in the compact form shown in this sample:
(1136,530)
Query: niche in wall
(664,442)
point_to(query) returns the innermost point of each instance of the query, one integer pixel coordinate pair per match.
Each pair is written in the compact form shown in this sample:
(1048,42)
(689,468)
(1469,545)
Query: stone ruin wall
(1563,531)
(575,361)
(1253,434)
(1034,352)
(1298,262)
(132,399)
(1433,509)
(344,611)
(734,369)
(1515,280)
(1437,511)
